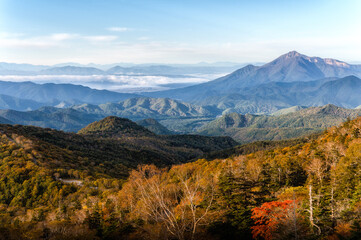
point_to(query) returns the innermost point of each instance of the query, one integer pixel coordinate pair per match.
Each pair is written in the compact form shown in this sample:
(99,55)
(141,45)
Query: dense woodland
(303,189)
(286,124)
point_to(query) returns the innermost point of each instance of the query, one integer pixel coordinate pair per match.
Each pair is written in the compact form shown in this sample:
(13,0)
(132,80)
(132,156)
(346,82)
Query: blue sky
(174,31)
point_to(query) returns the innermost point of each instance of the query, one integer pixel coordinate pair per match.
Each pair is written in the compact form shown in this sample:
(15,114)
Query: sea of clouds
(119,83)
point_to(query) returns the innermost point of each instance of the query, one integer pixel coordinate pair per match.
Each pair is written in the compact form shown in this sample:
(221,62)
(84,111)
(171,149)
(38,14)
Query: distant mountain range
(78,116)
(126,69)
(271,97)
(9,102)
(175,117)
(71,70)
(290,124)
(292,79)
(50,117)
(144,107)
(29,95)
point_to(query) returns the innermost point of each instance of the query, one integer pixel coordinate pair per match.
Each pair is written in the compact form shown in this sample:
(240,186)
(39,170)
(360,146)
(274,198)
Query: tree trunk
(311,209)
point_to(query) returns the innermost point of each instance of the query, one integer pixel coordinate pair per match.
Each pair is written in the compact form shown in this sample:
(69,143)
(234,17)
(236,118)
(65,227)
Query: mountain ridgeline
(290,80)
(115,143)
(147,108)
(248,128)
(116,69)
(173,117)
(137,109)
(115,127)
(35,95)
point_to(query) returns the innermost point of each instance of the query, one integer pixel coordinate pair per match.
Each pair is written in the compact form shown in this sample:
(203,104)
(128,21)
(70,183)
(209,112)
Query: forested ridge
(51,189)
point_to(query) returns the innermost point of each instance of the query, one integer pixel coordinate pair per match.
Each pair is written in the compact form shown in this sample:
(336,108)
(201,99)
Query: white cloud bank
(121,83)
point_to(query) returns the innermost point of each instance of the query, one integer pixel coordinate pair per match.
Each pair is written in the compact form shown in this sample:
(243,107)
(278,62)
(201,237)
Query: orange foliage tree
(268,217)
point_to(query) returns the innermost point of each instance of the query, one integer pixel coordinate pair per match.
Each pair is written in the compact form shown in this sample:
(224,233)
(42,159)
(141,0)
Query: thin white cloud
(118,29)
(63,36)
(104,38)
(143,38)
(66,47)
(49,41)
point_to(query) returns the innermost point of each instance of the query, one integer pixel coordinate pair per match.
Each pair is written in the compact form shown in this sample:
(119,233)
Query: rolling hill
(139,108)
(175,117)
(111,146)
(115,127)
(249,128)
(49,117)
(78,116)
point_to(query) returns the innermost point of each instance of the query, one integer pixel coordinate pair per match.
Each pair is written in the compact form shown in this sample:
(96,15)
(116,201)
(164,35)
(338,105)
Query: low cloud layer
(120,83)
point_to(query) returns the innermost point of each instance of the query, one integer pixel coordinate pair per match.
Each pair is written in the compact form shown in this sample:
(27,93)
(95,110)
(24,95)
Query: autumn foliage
(244,196)
(268,216)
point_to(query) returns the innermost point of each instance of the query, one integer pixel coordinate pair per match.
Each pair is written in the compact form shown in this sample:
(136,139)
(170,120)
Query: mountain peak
(329,109)
(292,54)
(115,127)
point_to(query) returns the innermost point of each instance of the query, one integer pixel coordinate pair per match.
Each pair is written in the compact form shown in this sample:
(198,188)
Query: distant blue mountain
(291,79)
(78,116)
(72,70)
(290,67)
(53,94)
(9,102)
(126,69)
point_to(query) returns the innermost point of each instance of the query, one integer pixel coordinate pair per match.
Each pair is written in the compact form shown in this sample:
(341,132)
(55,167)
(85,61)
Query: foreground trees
(307,191)
(180,200)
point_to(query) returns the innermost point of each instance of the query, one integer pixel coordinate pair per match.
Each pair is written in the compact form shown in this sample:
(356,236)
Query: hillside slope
(154,126)
(58,190)
(49,117)
(76,117)
(147,108)
(9,102)
(249,128)
(113,142)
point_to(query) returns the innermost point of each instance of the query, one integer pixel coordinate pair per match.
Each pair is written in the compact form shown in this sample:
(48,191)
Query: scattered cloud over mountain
(122,83)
